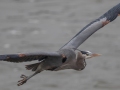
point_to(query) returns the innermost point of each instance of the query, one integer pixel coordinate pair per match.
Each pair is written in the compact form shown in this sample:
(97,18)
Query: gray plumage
(91,28)
(66,57)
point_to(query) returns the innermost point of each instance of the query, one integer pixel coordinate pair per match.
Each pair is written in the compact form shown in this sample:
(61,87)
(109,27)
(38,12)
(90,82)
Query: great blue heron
(65,57)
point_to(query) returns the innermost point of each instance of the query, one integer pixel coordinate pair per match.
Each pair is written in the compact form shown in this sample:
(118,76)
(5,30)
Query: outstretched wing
(24,57)
(91,28)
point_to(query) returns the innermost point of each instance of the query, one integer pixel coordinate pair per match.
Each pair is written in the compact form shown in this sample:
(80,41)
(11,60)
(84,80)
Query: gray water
(46,25)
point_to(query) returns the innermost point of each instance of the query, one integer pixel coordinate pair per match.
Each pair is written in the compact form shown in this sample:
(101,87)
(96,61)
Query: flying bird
(66,57)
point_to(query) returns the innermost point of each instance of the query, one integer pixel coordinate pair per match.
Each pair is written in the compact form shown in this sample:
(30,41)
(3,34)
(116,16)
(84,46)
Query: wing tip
(6,57)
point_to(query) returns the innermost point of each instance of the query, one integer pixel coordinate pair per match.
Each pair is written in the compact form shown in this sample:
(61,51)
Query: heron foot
(24,80)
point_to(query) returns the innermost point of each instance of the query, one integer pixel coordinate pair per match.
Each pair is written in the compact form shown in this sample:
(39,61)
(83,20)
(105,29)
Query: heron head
(88,54)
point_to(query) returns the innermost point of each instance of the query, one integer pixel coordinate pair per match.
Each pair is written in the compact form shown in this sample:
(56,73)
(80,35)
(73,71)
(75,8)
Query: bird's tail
(32,67)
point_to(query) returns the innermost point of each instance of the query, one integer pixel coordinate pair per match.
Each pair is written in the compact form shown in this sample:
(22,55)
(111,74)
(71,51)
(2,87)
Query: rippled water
(46,25)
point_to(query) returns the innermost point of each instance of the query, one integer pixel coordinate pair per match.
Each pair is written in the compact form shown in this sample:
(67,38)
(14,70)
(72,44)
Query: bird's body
(67,61)
(55,62)
(66,57)
(76,63)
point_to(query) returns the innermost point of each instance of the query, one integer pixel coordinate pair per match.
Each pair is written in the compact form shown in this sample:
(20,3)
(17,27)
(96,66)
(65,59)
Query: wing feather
(24,57)
(92,27)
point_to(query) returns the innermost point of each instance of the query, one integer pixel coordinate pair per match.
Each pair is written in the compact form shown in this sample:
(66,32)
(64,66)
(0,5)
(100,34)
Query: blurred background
(46,25)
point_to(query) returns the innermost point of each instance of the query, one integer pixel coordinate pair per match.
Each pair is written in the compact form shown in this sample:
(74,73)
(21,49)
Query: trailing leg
(26,78)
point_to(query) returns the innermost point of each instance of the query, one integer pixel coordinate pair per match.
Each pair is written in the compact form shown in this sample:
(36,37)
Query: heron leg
(25,78)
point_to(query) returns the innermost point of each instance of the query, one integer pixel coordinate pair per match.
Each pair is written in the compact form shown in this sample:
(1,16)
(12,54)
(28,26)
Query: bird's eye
(64,59)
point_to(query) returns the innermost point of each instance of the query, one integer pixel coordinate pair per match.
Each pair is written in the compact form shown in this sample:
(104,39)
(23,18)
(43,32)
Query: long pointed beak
(93,55)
